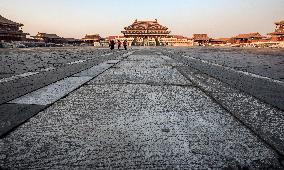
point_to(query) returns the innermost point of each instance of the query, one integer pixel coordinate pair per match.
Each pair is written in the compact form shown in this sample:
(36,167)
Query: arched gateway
(146,33)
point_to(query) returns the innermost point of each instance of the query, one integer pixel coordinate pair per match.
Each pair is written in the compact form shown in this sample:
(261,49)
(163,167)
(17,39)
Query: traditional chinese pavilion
(146,33)
(278,35)
(248,38)
(201,39)
(10,30)
(48,38)
(92,38)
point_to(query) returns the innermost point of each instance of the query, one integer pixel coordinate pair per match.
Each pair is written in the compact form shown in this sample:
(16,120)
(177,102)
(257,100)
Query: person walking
(125,44)
(111,44)
(118,44)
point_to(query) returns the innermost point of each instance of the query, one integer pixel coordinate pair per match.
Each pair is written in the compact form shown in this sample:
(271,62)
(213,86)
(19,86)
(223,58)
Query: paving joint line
(150,84)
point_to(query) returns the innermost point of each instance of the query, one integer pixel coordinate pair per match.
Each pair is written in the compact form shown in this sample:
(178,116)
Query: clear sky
(75,18)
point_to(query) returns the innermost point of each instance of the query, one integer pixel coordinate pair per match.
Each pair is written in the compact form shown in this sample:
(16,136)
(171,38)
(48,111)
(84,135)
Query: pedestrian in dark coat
(118,44)
(111,44)
(125,44)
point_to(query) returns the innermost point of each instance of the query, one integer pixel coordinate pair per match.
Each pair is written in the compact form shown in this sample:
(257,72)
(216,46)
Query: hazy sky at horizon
(75,18)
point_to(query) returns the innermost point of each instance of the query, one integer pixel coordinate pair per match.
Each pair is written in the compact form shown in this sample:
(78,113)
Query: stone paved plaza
(144,111)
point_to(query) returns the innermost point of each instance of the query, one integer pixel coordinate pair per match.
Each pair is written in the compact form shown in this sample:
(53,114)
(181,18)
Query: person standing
(118,44)
(111,44)
(125,44)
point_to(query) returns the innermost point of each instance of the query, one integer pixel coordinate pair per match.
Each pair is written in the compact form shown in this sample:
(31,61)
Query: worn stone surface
(49,64)
(116,124)
(12,115)
(263,80)
(123,126)
(264,120)
(261,61)
(21,109)
(151,69)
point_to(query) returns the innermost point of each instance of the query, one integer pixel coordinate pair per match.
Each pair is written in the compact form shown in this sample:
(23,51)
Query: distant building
(73,41)
(278,34)
(48,38)
(92,39)
(200,39)
(104,42)
(176,40)
(248,38)
(220,41)
(11,31)
(146,33)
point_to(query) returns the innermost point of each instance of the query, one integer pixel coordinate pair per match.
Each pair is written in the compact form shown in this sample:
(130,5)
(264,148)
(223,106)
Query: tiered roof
(145,27)
(280,30)
(5,21)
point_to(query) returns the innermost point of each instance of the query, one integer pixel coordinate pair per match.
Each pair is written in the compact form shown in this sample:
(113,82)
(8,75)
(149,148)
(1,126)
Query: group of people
(112,44)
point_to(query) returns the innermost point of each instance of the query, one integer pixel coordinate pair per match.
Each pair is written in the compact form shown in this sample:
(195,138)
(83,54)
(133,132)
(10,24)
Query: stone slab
(95,70)
(12,115)
(53,92)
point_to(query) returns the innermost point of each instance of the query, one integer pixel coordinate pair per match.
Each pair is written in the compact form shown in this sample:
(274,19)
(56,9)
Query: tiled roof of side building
(92,36)
(249,35)
(8,22)
(200,37)
(45,35)
(52,36)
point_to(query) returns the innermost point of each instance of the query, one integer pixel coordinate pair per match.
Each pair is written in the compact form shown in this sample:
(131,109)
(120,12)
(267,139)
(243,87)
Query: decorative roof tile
(146,25)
